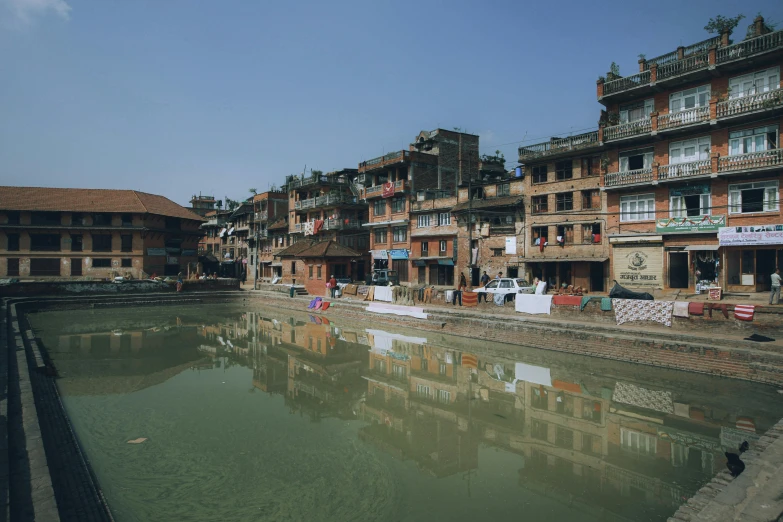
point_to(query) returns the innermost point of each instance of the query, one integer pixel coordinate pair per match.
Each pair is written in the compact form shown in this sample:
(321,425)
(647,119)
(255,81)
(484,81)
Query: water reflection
(610,440)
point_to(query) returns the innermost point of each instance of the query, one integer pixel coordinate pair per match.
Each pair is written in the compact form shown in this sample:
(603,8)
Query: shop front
(751,255)
(589,274)
(400,263)
(637,261)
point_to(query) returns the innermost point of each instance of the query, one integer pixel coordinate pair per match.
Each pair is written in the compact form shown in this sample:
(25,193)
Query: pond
(217,413)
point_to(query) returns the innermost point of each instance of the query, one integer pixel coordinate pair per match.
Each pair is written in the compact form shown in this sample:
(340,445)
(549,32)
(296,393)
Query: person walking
(461,286)
(775,291)
(179,283)
(484,281)
(332,285)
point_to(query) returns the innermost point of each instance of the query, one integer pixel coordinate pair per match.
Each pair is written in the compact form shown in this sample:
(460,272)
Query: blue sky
(178,97)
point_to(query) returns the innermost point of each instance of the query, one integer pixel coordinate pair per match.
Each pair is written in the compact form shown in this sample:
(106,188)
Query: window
(101,242)
(539,235)
(423,221)
(636,160)
(423,391)
(442,368)
(539,430)
(539,174)
(126,263)
(591,233)
(380,235)
(76,243)
(127,220)
(639,443)
(754,83)
(318,272)
(173,223)
(564,201)
(45,218)
(591,444)
(591,199)
(591,410)
(13,242)
(77,218)
(399,234)
(310,270)
(540,204)
(753,140)
(637,208)
(398,205)
(564,170)
(380,366)
(45,242)
(44,267)
(101,262)
(636,111)
(101,220)
(13,266)
(687,205)
(565,234)
(127,243)
(379,207)
(497,252)
(591,166)
(293,267)
(424,365)
(477,193)
(761,196)
(564,437)
(697,149)
(425,248)
(398,371)
(444,397)
(689,99)
(504,189)
(13,218)
(540,398)
(444,218)
(442,246)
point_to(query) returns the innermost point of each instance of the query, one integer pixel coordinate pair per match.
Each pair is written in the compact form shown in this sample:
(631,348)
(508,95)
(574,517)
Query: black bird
(735,464)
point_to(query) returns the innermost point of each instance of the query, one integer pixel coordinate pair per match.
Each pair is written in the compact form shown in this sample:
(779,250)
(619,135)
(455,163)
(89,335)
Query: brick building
(268,208)
(327,207)
(693,157)
(278,238)
(202,205)
(564,240)
(53,232)
(436,163)
(311,263)
(212,240)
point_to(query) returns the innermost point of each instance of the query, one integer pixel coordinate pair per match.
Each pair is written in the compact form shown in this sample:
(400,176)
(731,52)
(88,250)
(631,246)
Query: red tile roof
(91,200)
(312,248)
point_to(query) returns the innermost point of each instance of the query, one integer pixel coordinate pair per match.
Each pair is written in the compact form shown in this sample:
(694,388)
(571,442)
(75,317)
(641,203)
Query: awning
(570,260)
(419,262)
(276,264)
(635,239)
(447,262)
(386,223)
(702,247)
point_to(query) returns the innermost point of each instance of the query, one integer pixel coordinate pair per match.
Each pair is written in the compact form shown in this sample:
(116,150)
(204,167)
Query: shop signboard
(638,265)
(754,235)
(400,253)
(379,254)
(689,224)
(511,245)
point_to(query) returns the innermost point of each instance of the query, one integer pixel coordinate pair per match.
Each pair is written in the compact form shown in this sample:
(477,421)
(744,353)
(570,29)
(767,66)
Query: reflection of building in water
(587,438)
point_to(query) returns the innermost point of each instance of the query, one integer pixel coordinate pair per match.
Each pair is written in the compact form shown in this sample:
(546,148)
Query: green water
(267,416)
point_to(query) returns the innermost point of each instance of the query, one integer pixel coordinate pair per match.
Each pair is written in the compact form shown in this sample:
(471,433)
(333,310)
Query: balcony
(715,166)
(557,146)
(751,161)
(698,58)
(342,224)
(626,130)
(382,161)
(322,179)
(679,119)
(261,216)
(751,103)
(378,190)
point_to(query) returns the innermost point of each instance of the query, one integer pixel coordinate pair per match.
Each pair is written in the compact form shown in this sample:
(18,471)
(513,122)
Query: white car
(507,285)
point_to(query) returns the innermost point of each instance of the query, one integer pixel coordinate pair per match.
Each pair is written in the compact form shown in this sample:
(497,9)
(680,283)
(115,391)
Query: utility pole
(470,218)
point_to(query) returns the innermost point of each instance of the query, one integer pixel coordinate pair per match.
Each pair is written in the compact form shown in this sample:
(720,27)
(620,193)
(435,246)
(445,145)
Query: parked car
(507,286)
(384,277)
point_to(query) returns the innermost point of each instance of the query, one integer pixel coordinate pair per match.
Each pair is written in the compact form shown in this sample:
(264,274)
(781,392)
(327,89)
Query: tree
(316,172)
(252,191)
(721,24)
(219,204)
(231,204)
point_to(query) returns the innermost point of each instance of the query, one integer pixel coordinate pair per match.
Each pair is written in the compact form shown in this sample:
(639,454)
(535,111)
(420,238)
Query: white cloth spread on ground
(383,293)
(680,309)
(626,310)
(533,304)
(410,311)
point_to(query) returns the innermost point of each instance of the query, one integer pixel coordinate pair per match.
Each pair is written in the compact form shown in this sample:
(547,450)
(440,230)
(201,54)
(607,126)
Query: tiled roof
(279,224)
(477,204)
(294,249)
(91,200)
(312,248)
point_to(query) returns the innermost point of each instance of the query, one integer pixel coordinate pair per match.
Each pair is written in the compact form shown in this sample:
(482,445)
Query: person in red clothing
(332,285)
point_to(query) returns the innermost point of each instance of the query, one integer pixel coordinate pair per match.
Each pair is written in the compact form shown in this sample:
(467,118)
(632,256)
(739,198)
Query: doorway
(678,269)
(765,265)
(474,276)
(513,272)
(596,277)
(76,267)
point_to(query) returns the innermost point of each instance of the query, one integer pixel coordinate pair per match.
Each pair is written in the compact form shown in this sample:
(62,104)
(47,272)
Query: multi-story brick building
(54,232)
(327,207)
(268,207)
(202,205)
(564,213)
(278,238)
(216,221)
(693,157)
(438,161)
